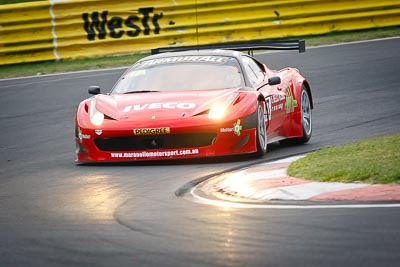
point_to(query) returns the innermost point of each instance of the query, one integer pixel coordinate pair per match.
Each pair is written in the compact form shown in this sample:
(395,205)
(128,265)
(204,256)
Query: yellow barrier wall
(60,29)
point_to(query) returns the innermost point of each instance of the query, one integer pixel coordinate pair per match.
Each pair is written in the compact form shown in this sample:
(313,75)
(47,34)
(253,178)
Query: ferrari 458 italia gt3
(195,103)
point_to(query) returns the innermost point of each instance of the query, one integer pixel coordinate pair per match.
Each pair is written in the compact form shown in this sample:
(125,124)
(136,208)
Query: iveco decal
(168,105)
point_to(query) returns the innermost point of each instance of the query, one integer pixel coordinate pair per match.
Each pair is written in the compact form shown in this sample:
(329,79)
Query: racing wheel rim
(306,112)
(262,133)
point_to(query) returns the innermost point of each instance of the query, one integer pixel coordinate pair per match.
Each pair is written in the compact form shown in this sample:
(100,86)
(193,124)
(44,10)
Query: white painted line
(333,45)
(303,191)
(245,176)
(272,174)
(225,204)
(355,42)
(285,160)
(63,73)
(54,80)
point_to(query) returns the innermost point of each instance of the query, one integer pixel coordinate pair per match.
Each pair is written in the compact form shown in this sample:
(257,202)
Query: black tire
(261,131)
(306,120)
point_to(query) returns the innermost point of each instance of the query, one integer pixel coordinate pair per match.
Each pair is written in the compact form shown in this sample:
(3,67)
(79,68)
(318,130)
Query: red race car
(194,103)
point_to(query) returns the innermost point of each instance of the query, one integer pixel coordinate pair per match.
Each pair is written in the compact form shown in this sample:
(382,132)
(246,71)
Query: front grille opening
(169,141)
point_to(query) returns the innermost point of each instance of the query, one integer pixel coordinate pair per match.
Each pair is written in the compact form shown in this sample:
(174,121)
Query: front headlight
(217,111)
(96,117)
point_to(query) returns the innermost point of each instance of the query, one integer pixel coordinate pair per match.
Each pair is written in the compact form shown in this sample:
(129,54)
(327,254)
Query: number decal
(268,107)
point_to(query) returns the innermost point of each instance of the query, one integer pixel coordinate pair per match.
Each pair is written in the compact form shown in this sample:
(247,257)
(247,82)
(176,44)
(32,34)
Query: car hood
(163,105)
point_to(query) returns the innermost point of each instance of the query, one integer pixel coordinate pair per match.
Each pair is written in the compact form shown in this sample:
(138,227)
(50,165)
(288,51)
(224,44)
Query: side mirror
(94,90)
(274,80)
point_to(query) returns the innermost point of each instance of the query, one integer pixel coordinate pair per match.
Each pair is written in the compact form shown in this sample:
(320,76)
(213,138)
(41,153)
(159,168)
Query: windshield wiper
(142,91)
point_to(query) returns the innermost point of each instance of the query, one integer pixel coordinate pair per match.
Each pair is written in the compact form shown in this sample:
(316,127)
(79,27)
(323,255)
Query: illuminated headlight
(217,111)
(96,117)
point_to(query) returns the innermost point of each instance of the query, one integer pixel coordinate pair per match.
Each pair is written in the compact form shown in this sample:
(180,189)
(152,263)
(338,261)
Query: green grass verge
(375,160)
(29,69)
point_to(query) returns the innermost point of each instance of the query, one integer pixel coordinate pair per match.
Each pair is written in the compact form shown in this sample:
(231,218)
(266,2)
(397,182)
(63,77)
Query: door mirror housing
(94,90)
(274,80)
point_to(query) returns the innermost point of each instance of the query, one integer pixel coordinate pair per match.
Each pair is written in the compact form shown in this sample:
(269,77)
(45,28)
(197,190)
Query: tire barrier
(66,29)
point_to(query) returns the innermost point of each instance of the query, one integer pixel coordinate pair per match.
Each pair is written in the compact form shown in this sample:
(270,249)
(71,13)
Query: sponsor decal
(274,103)
(144,21)
(237,127)
(268,107)
(151,131)
(167,60)
(98,132)
(291,103)
(226,130)
(277,98)
(82,136)
(167,105)
(153,154)
(277,107)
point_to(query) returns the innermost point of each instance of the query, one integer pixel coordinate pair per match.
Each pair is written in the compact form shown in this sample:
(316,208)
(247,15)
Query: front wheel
(261,131)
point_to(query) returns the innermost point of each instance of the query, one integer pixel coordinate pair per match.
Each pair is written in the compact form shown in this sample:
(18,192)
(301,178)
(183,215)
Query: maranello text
(98,24)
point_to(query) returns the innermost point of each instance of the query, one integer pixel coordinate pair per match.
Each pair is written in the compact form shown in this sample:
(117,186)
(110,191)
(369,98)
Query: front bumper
(115,143)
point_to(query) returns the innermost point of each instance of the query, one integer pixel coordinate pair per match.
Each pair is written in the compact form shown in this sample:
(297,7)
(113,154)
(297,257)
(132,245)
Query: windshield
(181,74)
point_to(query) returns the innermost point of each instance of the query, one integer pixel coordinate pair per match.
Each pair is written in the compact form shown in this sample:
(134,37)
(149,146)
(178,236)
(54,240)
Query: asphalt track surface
(54,213)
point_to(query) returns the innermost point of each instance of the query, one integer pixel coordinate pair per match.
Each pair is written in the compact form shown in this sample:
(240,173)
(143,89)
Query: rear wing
(299,45)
